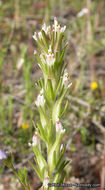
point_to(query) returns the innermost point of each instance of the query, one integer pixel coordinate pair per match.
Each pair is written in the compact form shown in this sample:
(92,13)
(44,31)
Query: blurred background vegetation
(85,58)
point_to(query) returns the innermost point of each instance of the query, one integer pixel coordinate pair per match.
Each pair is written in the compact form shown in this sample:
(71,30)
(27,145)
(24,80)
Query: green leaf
(60,158)
(56,179)
(62,56)
(43,116)
(58,87)
(45,40)
(51,133)
(43,133)
(56,110)
(40,160)
(37,171)
(46,98)
(61,92)
(64,108)
(62,166)
(49,90)
(43,67)
(52,151)
(40,83)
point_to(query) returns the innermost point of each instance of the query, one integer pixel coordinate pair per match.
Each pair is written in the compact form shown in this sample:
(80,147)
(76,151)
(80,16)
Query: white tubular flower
(57,27)
(63,29)
(59,128)
(49,50)
(46,28)
(45,182)
(50,59)
(35,36)
(40,99)
(40,35)
(82,12)
(35,140)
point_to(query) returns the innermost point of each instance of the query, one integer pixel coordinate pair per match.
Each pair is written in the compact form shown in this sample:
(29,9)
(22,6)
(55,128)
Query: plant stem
(14,171)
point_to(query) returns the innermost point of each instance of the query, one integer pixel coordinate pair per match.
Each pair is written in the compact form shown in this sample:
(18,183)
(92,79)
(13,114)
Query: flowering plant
(53,88)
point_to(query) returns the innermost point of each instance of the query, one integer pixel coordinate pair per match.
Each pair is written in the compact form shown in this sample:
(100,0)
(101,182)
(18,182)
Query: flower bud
(50,59)
(35,140)
(49,50)
(35,36)
(40,35)
(63,29)
(57,27)
(59,128)
(46,29)
(40,99)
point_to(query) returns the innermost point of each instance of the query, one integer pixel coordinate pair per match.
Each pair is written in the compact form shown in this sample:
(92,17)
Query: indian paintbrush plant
(53,89)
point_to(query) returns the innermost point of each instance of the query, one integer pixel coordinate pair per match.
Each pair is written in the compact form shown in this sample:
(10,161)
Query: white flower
(35,36)
(35,140)
(49,50)
(63,29)
(59,127)
(40,99)
(45,182)
(50,59)
(46,28)
(57,27)
(40,35)
(82,12)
